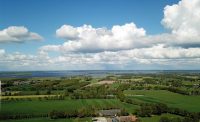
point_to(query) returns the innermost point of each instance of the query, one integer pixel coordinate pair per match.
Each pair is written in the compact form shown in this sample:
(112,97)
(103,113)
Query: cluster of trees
(177,90)
(176,119)
(195,92)
(57,97)
(168,88)
(23,87)
(21,116)
(195,116)
(165,81)
(48,92)
(70,88)
(82,112)
(181,91)
(8,94)
(174,88)
(67,83)
(146,110)
(167,119)
(70,84)
(101,91)
(15,99)
(149,109)
(120,95)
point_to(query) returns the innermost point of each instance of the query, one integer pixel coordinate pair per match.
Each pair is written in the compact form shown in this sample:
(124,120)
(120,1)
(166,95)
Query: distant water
(94,73)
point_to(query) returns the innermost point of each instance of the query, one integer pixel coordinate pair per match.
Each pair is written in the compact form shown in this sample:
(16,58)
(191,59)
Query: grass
(51,120)
(45,106)
(129,107)
(190,103)
(156,118)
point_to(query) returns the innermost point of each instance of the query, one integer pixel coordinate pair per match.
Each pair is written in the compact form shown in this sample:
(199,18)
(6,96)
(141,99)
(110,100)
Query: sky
(99,35)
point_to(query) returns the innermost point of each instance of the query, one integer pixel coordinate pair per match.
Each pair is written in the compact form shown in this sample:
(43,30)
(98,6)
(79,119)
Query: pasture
(45,106)
(190,103)
(51,120)
(156,118)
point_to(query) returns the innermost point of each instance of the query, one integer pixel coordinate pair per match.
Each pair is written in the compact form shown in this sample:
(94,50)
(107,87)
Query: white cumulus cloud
(88,39)
(183,21)
(18,34)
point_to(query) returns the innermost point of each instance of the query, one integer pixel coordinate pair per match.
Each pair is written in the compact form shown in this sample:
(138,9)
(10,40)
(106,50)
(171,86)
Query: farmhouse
(130,118)
(111,116)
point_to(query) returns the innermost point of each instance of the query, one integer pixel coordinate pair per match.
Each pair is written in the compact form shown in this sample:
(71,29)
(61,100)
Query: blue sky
(44,17)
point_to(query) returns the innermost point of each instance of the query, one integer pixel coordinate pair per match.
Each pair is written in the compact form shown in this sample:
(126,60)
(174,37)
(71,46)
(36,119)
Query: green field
(51,120)
(45,106)
(190,103)
(156,118)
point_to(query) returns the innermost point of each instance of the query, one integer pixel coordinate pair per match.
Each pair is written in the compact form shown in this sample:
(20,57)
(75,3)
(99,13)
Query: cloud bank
(156,57)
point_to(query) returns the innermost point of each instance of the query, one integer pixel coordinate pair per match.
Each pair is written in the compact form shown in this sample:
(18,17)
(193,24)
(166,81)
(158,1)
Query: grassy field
(51,120)
(190,103)
(45,106)
(157,118)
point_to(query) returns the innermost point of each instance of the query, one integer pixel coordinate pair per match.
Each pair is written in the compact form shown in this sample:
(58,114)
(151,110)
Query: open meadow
(190,103)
